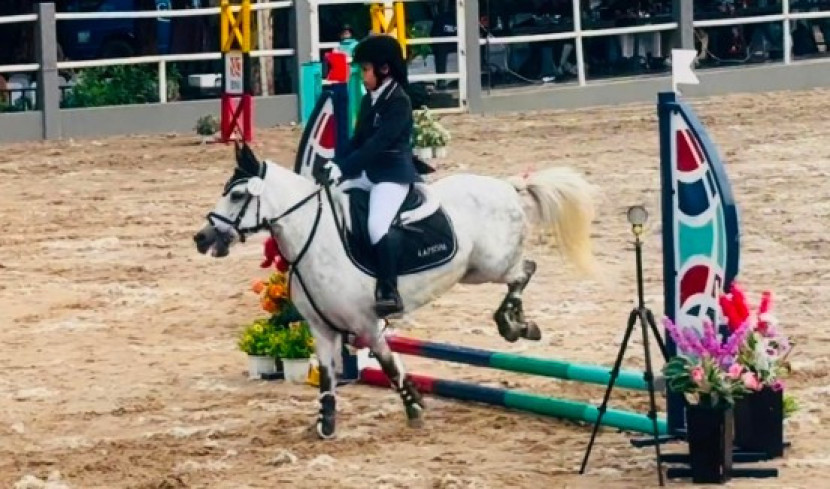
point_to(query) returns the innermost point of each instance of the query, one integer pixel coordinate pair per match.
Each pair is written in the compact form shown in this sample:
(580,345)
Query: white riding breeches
(385,200)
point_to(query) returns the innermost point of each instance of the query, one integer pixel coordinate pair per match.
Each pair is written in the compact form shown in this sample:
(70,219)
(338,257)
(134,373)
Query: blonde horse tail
(562,201)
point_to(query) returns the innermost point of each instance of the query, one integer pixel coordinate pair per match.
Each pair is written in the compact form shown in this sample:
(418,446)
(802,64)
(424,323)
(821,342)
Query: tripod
(646,319)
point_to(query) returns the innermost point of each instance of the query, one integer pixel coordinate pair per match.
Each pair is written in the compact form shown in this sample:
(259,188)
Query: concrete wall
(141,119)
(171,117)
(268,111)
(20,126)
(746,79)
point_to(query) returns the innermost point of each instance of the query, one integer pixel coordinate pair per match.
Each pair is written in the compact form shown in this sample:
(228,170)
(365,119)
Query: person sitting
(379,157)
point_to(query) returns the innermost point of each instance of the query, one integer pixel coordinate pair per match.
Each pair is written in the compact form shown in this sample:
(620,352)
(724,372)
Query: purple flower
(710,337)
(693,345)
(735,341)
(679,337)
(777,386)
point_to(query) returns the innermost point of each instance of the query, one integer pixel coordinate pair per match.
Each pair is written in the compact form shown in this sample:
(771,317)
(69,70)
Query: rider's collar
(379,91)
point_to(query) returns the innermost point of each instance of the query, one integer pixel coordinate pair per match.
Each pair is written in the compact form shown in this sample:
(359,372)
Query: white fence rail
(19,68)
(17,19)
(161,60)
(786,17)
(461,74)
(164,14)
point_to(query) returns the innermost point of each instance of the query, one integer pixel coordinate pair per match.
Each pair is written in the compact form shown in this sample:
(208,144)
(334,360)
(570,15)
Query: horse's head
(240,211)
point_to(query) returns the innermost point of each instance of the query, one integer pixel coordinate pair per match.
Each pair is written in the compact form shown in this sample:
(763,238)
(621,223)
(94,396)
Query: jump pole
(580,372)
(522,401)
(508,398)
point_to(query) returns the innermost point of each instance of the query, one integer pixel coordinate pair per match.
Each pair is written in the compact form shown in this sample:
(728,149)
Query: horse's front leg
(326,343)
(510,316)
(412,400)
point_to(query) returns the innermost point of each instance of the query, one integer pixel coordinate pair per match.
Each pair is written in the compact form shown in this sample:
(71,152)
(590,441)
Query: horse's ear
(237,152)
(246,159)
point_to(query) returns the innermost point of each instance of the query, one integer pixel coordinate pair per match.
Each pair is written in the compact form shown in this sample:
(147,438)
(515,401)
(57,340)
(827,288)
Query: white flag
(681,67)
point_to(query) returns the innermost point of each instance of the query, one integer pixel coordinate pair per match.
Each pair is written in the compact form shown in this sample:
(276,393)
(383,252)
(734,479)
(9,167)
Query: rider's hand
(333,173)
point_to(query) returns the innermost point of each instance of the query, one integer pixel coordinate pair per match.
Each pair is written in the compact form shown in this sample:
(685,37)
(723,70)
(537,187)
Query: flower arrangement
(765,351)
(429,134)
(257,339)
(291,337)
(705,368)
(284,334)
(294,341)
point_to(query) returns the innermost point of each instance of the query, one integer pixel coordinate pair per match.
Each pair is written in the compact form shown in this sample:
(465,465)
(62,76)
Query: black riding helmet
(379,50)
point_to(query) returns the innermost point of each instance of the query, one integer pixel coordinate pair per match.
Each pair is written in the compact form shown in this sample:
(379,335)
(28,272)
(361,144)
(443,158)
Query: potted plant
(207,126)
(763,355)
(294,346)
(291,343)
(273,298)
(430,137)
(705,370)
(257,340)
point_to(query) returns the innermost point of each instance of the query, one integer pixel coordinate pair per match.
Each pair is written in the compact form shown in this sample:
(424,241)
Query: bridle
(260,223)
(268,224)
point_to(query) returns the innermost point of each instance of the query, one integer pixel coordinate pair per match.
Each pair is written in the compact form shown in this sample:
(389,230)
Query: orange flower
(276,291)
(269,305)
(257,286)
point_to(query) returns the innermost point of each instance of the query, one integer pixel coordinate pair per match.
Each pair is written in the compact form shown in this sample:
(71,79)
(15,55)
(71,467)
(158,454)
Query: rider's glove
(332,173)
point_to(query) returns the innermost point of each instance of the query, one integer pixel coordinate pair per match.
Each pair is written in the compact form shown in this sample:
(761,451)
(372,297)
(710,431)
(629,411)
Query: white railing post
(469,57)
(684,14)
(788,41)
(162,82)
(580,55)
(48,86)
(314,18)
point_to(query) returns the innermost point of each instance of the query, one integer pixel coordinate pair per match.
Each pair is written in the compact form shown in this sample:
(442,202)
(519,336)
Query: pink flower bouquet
(765,349)
(706,368)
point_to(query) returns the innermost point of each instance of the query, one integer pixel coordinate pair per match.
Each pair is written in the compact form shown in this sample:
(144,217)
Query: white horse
(491,218)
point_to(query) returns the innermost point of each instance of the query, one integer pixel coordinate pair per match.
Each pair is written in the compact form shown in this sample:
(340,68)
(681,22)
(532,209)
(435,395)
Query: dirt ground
(118,363)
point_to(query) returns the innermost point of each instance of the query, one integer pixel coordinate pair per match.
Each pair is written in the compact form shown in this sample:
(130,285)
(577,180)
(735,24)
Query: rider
(379,156)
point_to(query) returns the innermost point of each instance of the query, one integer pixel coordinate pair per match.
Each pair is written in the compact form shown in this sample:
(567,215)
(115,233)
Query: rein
(268,224)
(294,265)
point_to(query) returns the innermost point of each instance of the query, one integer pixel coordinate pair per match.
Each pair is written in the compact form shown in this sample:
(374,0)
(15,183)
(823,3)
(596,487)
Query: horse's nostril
(199,237)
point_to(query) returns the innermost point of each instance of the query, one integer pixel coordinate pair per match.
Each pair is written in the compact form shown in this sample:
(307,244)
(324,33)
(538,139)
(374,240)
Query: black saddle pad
(425,244)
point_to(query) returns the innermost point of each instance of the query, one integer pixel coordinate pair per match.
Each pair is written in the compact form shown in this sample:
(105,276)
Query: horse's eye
(237,196)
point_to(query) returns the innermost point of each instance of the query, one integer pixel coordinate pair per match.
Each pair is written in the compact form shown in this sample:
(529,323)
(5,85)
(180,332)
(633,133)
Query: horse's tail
(562,201)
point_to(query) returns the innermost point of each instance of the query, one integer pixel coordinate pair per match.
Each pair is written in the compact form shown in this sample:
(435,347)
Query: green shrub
(118,85)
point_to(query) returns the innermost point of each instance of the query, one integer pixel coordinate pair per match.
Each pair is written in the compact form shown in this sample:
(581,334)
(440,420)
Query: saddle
(422,229)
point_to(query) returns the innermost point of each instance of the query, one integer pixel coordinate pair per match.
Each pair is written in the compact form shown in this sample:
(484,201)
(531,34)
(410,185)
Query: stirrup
(389,308)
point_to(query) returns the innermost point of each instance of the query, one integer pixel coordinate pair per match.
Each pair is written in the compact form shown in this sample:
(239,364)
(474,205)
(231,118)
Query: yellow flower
(277,278)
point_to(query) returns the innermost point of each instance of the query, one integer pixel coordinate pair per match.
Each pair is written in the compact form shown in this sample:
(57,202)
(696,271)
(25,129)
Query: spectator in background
(347,40)
(556,55)
(444,25)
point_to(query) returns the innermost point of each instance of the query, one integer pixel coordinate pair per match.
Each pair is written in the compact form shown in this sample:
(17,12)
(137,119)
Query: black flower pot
(759,422)
(710,433)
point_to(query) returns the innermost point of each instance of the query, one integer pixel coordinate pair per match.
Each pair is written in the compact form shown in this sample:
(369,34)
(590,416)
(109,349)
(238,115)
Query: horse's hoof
(532,332)
(506,332)
(529,267)
(325,429)
(415,416)
(509,334)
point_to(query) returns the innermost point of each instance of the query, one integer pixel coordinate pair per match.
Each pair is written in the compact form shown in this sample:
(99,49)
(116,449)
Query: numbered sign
(234,73)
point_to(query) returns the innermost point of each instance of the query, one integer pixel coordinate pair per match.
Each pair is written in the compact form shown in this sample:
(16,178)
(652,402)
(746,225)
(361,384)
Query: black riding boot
(387,300)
